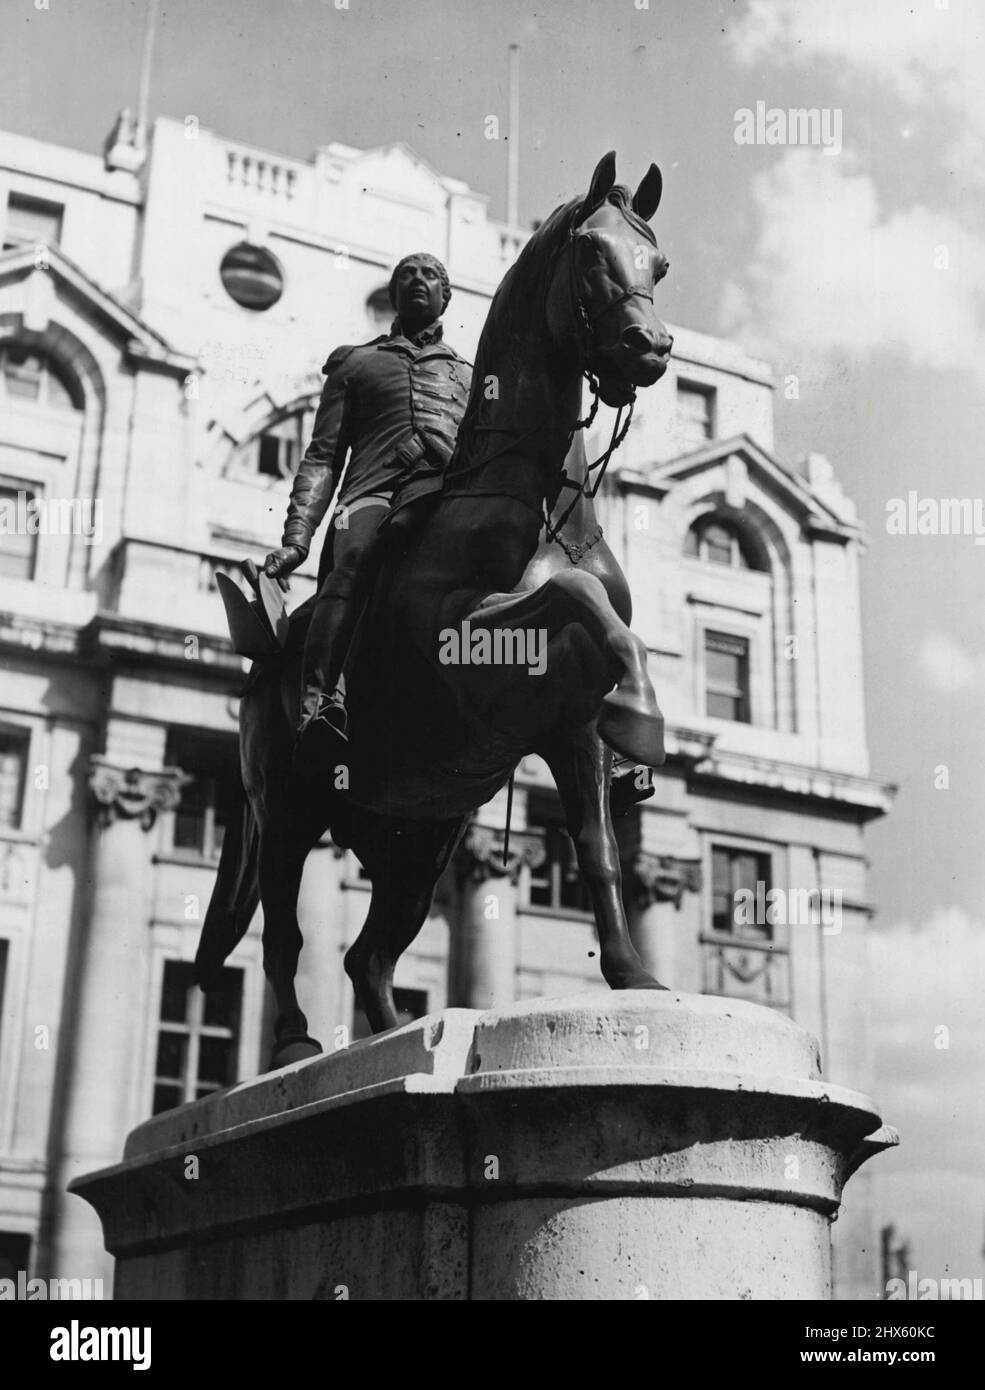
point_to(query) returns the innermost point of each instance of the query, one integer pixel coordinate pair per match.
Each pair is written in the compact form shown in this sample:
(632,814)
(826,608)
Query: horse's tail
(235,897)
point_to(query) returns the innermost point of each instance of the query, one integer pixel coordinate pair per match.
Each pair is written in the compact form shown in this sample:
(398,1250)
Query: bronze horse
(510,547)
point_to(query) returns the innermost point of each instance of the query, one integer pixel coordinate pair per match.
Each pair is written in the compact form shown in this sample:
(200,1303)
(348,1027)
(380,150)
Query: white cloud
(948,667)
(926,978)
(833,279)
(839,273)
(933,58)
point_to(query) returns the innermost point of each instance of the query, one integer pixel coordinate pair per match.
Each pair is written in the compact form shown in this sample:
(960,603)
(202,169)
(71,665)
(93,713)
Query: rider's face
(418,294)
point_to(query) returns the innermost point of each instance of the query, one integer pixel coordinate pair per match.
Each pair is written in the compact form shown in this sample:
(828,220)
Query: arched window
(29,376)
(379,311)
(275,451)
(279,447)
(720,543)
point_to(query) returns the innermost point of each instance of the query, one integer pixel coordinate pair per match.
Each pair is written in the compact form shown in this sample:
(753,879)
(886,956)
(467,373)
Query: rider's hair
(432,261)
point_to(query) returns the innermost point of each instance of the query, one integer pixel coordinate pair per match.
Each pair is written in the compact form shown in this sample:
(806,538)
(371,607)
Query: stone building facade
(164,313)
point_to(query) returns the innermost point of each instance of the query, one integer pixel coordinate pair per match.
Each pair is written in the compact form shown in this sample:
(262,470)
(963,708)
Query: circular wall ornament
(252,276)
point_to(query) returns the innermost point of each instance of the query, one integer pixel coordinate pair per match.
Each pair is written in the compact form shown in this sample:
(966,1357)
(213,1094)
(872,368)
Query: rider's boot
(321,732)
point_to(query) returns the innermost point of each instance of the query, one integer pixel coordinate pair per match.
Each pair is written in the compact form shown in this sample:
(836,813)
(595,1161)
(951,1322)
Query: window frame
(50,369)
(764,875)
(27,202)
(23,734)
(545,817)
(738,555)
(687,386)
(194,1028)
(745,695)
(208,849)
(777,947)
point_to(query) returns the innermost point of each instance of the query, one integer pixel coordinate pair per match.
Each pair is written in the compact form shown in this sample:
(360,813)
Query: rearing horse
(511,548)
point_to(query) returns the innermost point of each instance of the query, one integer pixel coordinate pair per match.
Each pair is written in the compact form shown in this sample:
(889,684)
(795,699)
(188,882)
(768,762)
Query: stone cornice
(868,797)
(137,641)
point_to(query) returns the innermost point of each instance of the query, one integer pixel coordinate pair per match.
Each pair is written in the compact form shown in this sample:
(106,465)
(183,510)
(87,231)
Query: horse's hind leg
(281,863)
(405,869)
(582,767)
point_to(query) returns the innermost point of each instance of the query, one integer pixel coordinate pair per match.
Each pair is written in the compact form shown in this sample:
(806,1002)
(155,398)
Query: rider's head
(419,291)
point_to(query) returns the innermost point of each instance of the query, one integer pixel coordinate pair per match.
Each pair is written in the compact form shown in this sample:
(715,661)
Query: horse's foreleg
(630,720)
(281,864)
(582,768)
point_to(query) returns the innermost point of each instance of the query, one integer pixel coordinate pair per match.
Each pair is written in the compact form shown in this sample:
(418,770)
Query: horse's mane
(519,302)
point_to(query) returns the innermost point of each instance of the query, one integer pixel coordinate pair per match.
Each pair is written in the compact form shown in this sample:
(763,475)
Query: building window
(557,884)
(744,955)
(208,800)
(18,545)
(711,540)
(252,276)
(727,677)
(410,1004)
(732,871)
(695,413)
(198,1036)
(380,311)
(14,745)
(31,222)
(28,375)
(279,447)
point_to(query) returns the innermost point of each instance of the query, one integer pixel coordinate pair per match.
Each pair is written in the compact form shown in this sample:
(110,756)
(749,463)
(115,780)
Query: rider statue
(394,405)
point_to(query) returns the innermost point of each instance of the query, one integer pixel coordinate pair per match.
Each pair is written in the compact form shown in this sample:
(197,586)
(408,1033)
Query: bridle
(585,329)
(586,325)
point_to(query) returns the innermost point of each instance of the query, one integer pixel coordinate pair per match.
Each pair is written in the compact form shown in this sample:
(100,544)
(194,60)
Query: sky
(860,272)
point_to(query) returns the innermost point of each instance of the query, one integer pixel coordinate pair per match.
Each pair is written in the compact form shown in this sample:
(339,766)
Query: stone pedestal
(603,1146)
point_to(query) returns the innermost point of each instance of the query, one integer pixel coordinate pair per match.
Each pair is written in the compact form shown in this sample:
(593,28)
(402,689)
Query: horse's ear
(646,199)
(602,181)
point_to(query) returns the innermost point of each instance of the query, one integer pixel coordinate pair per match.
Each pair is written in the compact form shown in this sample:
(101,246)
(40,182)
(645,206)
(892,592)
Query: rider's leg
(354,551)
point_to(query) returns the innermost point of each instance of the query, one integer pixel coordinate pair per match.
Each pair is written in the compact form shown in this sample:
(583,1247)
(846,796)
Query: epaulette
(336,358)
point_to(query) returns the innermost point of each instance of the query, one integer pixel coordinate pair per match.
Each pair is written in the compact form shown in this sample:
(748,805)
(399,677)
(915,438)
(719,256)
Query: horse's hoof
(633,728)
(637,978)
(644,982)
(293,1049)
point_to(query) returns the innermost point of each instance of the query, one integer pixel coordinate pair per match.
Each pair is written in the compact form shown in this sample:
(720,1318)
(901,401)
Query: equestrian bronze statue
(501,552)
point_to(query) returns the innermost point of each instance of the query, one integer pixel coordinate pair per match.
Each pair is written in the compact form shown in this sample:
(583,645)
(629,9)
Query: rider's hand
(279,563)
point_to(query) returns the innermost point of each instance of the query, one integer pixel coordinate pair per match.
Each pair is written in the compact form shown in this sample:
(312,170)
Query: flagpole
(513,153)
(143,98)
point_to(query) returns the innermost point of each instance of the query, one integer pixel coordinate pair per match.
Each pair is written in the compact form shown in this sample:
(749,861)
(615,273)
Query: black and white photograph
(492,649)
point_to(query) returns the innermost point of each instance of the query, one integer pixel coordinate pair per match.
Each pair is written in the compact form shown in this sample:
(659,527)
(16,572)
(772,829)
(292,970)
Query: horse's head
(600,299)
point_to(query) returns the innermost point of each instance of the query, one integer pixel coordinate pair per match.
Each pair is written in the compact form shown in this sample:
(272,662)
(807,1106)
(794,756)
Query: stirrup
(329,712)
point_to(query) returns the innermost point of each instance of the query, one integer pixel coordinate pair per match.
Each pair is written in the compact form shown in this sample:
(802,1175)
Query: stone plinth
(601,1146)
